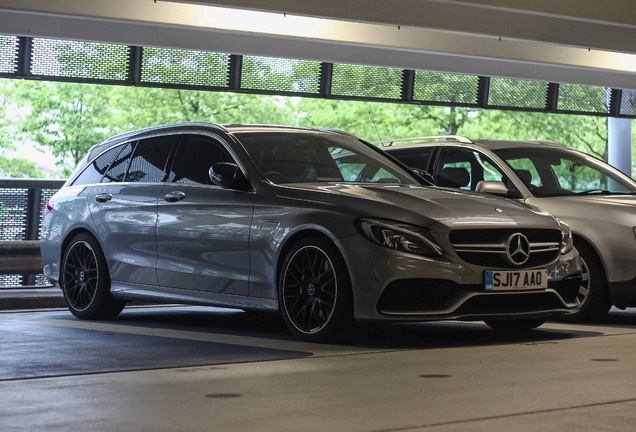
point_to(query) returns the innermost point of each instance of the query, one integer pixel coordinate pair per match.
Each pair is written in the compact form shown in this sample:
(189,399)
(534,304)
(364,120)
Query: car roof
(185,126)
(227,128)
(414,142)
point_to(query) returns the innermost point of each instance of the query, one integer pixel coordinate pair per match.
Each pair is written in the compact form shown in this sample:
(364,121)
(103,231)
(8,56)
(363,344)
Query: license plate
(501,280)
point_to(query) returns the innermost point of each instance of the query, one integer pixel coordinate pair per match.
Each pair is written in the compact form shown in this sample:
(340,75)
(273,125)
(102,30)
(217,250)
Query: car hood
(422,205)
(590,210)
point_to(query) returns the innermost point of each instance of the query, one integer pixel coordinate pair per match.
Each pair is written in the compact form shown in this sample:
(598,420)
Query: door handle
(174,196)
(104,197)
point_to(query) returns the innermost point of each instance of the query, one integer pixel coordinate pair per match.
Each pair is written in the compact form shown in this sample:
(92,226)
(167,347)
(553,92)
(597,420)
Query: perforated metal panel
(8,54)
(11,280)
(628,102)
(280,75)
(22,204)
(445,87)
(517,93)
(584,99)
(90,60)
(162,67)
(13,213)
(366,81)
(189,68)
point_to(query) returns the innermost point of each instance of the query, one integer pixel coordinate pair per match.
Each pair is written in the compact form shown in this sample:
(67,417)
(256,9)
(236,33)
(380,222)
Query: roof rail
(458,138)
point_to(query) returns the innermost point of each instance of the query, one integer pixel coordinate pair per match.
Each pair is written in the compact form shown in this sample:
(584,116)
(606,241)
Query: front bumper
(396,286)
(623,294)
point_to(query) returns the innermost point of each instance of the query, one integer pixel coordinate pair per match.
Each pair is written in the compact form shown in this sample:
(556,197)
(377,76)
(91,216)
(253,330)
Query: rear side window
(148,163)
(117,170)
(95,170)
(414,157)
(465,168)
(195,156)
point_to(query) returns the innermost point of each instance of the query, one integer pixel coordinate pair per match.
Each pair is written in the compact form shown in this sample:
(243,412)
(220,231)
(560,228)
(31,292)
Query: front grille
(488,247)
(426,298)
(422,295)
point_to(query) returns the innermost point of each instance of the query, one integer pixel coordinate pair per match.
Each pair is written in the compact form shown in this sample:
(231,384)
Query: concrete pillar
(619,137)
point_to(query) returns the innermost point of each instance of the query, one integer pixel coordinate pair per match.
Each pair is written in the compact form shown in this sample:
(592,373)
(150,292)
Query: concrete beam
(202,27)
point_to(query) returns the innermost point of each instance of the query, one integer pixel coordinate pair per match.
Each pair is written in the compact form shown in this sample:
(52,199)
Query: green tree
(374,121)
(18,168)
(134,107)
(66,117)
(585,133)
(11,167)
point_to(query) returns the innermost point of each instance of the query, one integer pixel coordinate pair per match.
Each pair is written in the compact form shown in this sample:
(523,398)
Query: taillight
(49,207)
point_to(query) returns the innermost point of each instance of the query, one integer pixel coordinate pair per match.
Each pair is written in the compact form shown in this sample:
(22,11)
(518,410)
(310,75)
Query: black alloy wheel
(315,291)
(85,281)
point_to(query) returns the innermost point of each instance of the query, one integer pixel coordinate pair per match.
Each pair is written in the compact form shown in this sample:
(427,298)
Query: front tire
(85,281)
(315,291)
(593,296)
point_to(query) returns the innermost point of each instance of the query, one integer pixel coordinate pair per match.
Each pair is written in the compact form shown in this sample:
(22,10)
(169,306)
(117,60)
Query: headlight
(399,236)
(567,243)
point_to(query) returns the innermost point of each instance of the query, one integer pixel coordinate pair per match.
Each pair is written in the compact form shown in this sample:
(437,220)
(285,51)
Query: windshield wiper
(596,192)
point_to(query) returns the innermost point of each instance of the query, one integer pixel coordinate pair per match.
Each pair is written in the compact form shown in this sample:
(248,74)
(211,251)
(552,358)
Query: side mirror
(228,176)
(492,187)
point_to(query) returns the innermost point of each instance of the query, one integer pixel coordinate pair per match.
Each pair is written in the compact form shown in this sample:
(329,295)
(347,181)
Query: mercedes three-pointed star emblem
(517,249)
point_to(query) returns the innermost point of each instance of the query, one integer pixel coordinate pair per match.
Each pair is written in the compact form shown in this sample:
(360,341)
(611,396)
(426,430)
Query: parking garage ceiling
(583,42)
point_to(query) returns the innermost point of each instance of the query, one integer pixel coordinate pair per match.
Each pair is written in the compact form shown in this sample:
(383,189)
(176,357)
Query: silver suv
(597,201)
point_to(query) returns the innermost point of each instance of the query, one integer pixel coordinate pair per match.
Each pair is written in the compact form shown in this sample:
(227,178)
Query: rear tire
(85,280)
(315,291)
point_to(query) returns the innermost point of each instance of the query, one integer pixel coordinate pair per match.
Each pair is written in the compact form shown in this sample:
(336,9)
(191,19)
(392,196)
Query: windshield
(297,157)
(559,172)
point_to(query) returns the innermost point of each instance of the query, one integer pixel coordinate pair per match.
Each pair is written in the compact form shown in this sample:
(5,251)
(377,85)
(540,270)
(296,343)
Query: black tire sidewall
(597,302)
(342,314)
(103,305)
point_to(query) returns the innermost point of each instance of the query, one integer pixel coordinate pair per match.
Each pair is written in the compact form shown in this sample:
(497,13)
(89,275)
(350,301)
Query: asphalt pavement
(206,369)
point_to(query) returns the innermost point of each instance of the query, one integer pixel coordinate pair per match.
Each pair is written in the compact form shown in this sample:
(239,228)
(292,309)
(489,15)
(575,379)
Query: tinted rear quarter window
(95,170)
(117,170)
(414,157)
(150,158)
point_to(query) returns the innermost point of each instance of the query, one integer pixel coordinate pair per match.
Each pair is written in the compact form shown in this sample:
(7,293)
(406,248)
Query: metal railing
(22,203)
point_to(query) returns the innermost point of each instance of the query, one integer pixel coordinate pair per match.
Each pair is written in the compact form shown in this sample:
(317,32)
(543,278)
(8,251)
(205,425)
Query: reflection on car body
(597,201)
(313,223)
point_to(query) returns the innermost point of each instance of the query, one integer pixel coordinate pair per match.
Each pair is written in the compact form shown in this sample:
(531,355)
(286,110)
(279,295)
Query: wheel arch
(580,241)
(340,320)
(72,234)
(298,236)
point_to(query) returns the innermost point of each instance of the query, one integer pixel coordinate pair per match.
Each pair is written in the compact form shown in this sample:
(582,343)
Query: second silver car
(596,200)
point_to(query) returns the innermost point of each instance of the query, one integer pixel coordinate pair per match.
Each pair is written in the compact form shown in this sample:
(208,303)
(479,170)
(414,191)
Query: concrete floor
(206,369)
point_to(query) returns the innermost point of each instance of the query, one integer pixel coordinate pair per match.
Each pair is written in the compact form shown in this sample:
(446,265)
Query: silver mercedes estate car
(596,200)
(313,223)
